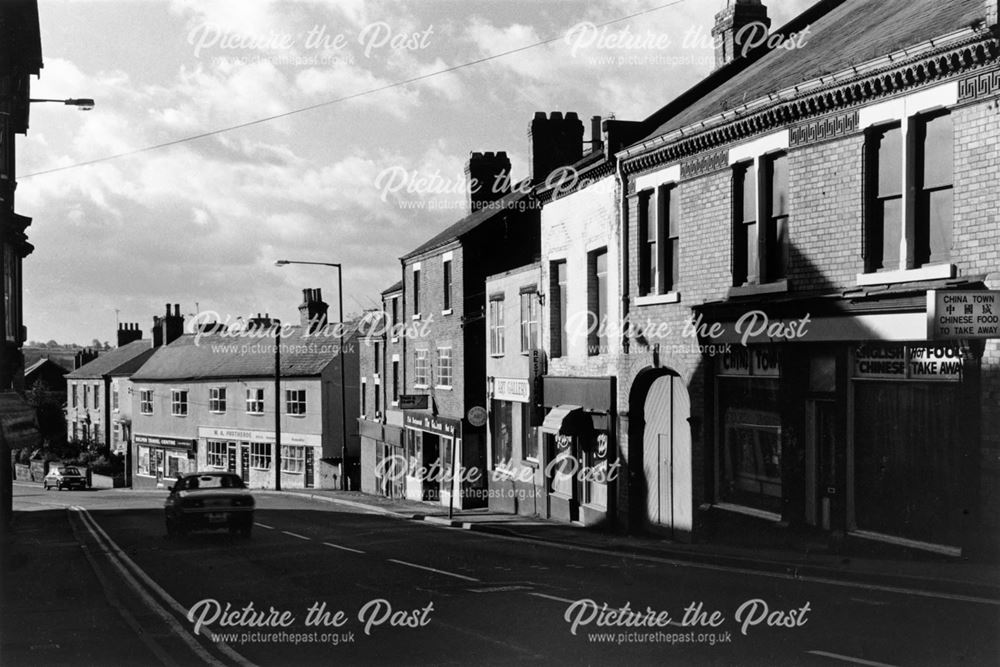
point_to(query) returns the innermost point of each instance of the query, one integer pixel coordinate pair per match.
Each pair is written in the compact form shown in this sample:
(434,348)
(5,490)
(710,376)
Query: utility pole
(277,405)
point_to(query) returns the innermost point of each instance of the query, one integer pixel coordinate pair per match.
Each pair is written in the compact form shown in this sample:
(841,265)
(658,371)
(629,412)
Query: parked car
(208,501)
(64,477)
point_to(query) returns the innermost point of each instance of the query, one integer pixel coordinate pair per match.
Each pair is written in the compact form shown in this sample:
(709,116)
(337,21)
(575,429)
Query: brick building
(833,196)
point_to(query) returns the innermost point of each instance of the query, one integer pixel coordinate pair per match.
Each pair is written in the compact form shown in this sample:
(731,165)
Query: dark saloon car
(64,477)
(208,501)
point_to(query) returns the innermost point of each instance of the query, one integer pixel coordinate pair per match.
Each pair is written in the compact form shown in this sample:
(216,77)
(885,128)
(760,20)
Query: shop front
(434,453)
(159,459)
(251,454)
(578,448)
(875,436)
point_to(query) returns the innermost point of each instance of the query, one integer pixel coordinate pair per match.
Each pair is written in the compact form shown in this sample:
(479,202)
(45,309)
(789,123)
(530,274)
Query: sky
(370,171)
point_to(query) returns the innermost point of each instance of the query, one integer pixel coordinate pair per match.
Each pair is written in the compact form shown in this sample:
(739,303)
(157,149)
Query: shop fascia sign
(248,435)
(512,389)
(963,314)
(914,361)
(432,424)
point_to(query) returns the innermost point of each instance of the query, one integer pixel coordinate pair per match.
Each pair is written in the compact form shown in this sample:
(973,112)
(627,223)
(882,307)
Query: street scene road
(411,592)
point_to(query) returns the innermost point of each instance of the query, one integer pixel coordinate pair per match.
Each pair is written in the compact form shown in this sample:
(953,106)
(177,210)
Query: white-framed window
(444,377)
(217,399)
(497,327)
(295,401)
(146,401)
(420,370)
(255,400)
(178,402)
(446,283)
(260,455)
(217,453)
(529,321)
(293,458)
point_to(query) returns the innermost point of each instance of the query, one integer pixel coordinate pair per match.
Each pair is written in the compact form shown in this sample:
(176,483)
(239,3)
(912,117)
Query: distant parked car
(207,501)
(64,477)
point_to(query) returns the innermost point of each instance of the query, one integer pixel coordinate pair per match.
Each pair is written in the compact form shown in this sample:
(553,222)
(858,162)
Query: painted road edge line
(431,569)
(129,564)
(847,658)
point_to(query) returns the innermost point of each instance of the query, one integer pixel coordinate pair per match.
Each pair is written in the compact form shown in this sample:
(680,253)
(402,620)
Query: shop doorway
(821,462)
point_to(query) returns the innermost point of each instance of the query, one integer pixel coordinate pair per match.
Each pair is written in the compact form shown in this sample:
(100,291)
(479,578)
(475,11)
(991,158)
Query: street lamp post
(340,337)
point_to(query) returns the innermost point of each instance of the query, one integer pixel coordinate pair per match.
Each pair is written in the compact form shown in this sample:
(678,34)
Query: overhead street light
(82,103)
(340,334)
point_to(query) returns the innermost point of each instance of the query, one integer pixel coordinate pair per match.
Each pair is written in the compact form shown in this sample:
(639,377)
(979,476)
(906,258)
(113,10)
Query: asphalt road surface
(321,583)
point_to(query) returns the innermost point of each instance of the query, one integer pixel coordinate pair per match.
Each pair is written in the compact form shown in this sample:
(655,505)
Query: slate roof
(128,357)
(216,355)
(470,223)
(842,34)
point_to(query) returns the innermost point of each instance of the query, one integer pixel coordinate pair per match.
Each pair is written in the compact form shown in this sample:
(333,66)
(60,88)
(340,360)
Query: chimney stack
(128,333)
(556,141)
(487,177)
(741,21)
(312,312)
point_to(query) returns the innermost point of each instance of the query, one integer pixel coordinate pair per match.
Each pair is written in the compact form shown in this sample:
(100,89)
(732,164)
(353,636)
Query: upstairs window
(295,401)
(910,204)
(145,401)
(497,327)
(255,401)
(179,402)
(217,399)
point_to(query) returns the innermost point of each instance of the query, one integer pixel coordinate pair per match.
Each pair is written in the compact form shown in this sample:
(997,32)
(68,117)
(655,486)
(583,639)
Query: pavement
(736,542)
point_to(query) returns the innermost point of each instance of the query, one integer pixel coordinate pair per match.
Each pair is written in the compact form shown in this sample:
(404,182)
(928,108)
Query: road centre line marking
(301,537)
(122,561)
(847,658)
(263,525)
(431,569)
(337,546)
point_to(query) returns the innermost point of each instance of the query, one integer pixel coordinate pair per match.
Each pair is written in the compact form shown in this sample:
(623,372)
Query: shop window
(217,399)
(145,401)
(558,305)
(420,369)
(894,239)
(497,327)
(255,401)
(751,465)
(260,455)
(179,402)
(293,458)
(295,401)
(142,460)
(503,430)
(529,321)
(444,375)
(216,454)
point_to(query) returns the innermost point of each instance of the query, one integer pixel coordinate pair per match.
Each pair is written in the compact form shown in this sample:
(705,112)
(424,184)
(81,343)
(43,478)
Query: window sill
(932,272)
(776,287)
(446,311)
(657,299)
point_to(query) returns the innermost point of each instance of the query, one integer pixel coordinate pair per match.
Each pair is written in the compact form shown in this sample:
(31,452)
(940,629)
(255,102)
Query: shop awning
(17,422)
(568,420)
